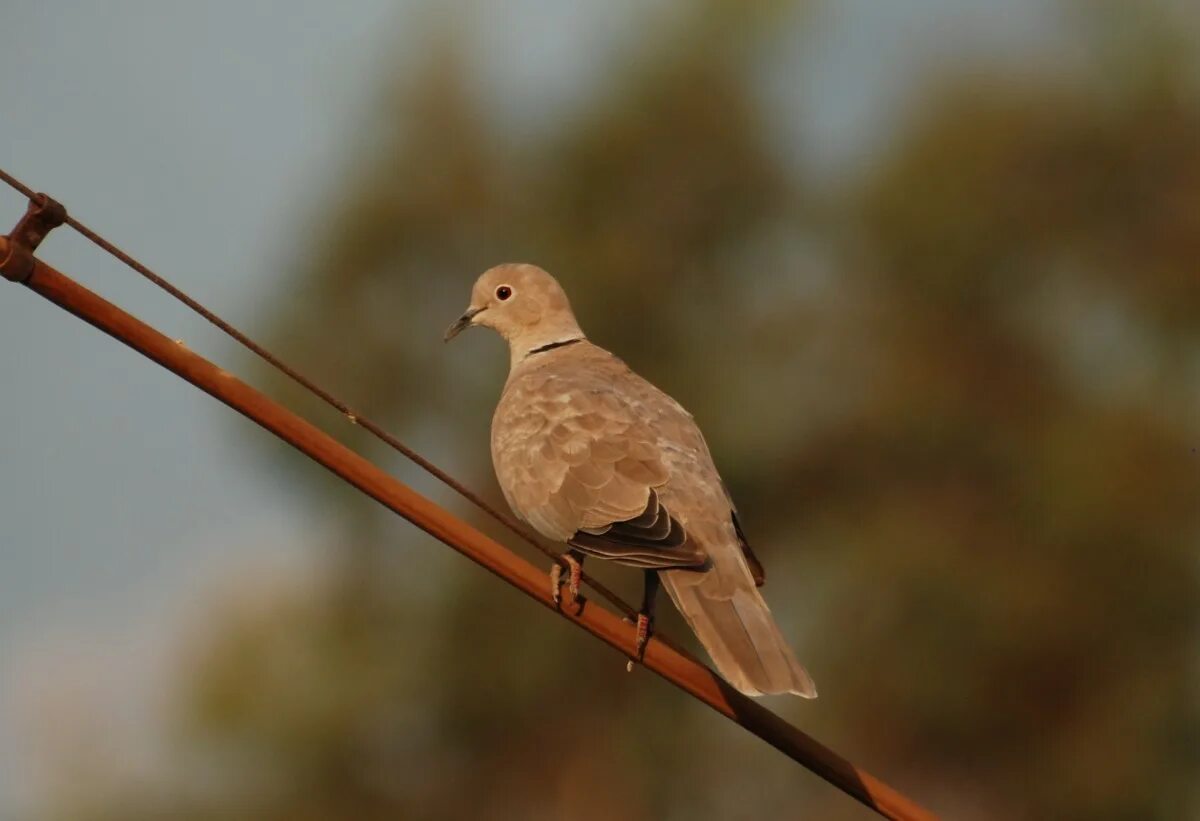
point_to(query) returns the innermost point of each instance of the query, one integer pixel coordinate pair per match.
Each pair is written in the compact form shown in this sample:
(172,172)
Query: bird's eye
(503,292)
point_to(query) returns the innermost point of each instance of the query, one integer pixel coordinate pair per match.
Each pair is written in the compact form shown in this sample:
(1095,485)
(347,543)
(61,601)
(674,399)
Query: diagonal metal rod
(682,671)
(325,396)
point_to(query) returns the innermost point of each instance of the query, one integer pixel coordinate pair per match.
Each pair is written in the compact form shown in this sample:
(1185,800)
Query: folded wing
(582,468)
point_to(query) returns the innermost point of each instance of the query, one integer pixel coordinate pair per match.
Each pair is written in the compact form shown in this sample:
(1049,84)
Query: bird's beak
(464,321)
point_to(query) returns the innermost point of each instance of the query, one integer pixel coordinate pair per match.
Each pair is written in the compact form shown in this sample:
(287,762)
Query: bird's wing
(575,461)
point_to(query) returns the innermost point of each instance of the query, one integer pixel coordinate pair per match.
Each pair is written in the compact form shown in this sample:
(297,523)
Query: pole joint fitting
(43,215)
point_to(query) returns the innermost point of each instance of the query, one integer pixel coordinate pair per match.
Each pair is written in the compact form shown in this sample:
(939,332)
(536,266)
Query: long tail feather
(740,635)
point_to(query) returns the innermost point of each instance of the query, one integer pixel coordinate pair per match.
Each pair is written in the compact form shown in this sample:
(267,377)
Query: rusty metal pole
(18,264)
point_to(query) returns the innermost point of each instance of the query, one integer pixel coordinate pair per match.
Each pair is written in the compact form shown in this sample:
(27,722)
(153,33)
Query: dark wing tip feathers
(652,539)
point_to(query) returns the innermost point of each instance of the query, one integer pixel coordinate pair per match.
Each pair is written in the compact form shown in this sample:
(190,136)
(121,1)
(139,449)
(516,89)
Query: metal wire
(300,379)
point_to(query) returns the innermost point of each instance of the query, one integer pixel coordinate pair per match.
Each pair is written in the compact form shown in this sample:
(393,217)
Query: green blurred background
(953,384)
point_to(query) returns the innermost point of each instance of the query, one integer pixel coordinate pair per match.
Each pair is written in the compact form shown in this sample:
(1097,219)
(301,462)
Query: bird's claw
(644,631)
(574,576)
(556,583)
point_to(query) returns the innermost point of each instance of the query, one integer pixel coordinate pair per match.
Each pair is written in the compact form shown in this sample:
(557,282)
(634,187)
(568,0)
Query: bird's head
(523,304)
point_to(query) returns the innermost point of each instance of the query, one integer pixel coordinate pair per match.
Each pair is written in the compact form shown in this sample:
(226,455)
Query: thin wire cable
(17,184)
(300,379)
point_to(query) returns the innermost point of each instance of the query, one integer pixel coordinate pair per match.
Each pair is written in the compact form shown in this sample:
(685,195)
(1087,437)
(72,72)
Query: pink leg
(643,636)
(556,583)
(645,617)
(576,575)
(643,633)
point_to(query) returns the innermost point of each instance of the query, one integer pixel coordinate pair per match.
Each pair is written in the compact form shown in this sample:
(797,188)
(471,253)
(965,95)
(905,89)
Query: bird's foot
(645,629)
(574,575)
(556,583)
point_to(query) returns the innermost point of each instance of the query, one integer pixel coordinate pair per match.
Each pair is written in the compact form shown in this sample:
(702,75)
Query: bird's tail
(737,629)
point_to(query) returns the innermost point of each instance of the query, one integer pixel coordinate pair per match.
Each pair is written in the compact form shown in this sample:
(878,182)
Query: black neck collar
(554,345)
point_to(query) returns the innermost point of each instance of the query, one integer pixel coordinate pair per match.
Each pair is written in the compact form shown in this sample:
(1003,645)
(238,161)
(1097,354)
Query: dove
(592,455)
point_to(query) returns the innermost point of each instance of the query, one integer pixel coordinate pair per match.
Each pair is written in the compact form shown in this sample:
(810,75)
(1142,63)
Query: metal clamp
(43,215)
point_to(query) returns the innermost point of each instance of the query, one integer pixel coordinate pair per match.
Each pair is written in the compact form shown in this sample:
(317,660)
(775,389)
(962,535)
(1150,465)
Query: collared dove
(591,454)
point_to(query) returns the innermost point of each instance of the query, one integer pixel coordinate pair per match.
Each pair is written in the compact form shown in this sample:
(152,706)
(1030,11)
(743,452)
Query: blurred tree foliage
(962,426)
